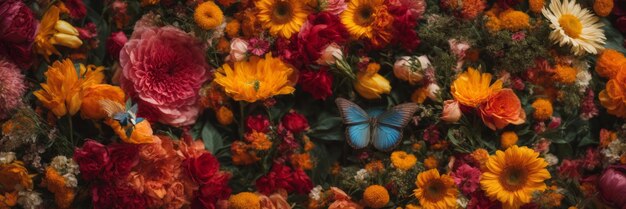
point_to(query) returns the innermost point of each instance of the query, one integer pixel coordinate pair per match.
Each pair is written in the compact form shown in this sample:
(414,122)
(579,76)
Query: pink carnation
(163,70)
(467,178)
(12,88)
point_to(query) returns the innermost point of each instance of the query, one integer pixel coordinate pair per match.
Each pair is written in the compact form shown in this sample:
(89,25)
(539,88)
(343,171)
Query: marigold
(536,5)
(514,20)
(64,85)
(208,15)
(302,161)
(435,191)
(370,84)
(508,138)
(232,28)
(244,200)
(480,155)
(92,95)
(224,116)
(603,7)
(250,81)
(259,140)
(565,74)
(472,87)
(610,63)
(376,196)
(543,109)
(402,160)
(12,175)
(493,24)
(63,195)
(431,162)
(241,155)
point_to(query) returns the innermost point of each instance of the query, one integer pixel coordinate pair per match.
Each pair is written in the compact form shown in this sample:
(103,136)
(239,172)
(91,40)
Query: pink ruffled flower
(467,178)
(258,46)
(335,7)
(12,88)
(163,70)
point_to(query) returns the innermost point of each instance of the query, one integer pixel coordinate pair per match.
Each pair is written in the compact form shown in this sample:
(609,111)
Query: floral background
(231,103)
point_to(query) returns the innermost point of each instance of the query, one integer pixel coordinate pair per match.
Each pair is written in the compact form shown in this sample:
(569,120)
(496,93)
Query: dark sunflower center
(435,190)
(513,178)
(364,15)
(282,12)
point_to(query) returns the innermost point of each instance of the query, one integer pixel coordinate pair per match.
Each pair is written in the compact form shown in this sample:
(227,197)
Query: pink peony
(12,88)
(163,70)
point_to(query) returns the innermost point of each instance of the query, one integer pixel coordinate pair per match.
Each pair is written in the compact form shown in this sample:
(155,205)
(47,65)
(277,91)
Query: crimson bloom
(18,27)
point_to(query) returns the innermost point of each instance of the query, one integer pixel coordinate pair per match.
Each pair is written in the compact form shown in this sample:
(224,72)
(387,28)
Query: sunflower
(513,175)
(472,87)
(575,26)
(282,17)
(435,191)
(208,15)
(363,18)
(257,79)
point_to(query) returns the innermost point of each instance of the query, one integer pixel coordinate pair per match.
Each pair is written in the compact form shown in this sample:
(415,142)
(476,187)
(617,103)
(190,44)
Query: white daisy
(574,26)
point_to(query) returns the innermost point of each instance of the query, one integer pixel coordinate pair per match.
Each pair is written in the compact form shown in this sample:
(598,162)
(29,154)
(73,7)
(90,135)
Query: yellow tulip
(370,84)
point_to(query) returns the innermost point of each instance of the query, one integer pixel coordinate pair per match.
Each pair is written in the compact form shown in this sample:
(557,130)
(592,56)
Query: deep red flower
(295,122)
(620,24)
(478,200)
(114,44)
(318,83)
(279,177)
(201,169)
(123,158)
(319,31)
(467,178)
(612,186)
(570,168)
(117,196)
(258,123)
(91,158)
(18,27)
(301,183)
(76,7)
(404,24)
(212,191)
(88,31)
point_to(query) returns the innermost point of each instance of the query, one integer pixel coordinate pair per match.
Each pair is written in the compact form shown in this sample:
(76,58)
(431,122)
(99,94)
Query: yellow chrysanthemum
(376,196)
(402,160)
(282,17)
(508,138)
(244,200)
(514,175)
(208,15)
(369,84)
(62,92)
(362,17)
(514,20)
(574,26)
(53,31)
(435,191)
(543,109)
(472,87)
(257,79)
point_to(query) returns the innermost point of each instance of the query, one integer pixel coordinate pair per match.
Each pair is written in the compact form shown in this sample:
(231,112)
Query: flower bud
(330,54)
(451,111)
(66,28)
(66,40)
(612,186)
(238,49)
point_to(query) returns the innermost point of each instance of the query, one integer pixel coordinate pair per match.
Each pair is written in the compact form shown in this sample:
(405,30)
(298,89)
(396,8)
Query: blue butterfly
(382,128)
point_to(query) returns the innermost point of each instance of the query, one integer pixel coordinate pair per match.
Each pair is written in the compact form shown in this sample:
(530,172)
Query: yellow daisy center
(514,178)
(282,12)
(364,15)
(435,190)
(571,25)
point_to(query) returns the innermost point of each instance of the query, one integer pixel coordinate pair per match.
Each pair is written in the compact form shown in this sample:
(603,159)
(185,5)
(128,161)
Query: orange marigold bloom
(609,63)
(92,95)
(431,162)
(232,28)
(603,7)
(543,109)
(508,138)
(63,195)
(514,20)
(208,15)
(224,115)
(302,161)
(374,166)
(565,74)
(501,109)
(241,155)
(259,140)
(536,5)
(480,155)
(376,196)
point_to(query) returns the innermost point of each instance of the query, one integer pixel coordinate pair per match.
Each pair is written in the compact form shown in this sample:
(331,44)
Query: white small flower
(7,157)
(29,199)
(582,79)
(70,180)
(316,192)
(462,201)
(551,159)
(361,175)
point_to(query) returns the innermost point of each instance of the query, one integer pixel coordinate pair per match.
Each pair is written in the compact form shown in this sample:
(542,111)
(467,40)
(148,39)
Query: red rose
(91,159)
(114,44)
(612,186)
(201,169)
(279,177)
(76,7)
(621,24)
(117,196)
(123,158)
(295,122)
(301,182)
(18,27)
(317,83)
(210,193)
(318,32)
(258,123)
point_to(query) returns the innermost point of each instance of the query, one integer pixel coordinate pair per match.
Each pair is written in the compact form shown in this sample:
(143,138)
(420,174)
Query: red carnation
(18,26)
(123,158)
(76,7)
(258,123)
(318,83)
(114,44)
(301,182)
(295,122)
(278,178)
(201,169)
(318,32)
(91,159)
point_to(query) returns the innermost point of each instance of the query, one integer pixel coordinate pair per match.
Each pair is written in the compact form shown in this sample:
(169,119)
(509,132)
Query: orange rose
(610,63)
(91,108)
(502,107)
(613,97)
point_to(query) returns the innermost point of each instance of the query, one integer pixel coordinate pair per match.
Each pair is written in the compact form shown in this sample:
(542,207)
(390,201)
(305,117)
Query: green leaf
(328,127)
(211,137)
(614,39)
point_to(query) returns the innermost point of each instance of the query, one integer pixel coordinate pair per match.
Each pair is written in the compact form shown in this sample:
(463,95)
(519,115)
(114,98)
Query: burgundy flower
(406,14)
(76,7)
(114,196)
(478,200)
(301,183)
(318,32)
(570,168)
(279,177)
(505,4)
(18,27)
(467,178)
(318,83)
(114,44)
(201,169)
(91,158)
(258,123)
(612,186)
(89,31)
(163,70)
(215,189)
(123,158)
(620,24)
(295,122)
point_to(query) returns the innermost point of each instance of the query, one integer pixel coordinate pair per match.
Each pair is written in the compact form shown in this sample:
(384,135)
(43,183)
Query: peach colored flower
(501,109)
(451,111)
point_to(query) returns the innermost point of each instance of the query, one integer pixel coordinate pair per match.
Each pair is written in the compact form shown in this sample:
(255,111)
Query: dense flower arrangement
(255,104)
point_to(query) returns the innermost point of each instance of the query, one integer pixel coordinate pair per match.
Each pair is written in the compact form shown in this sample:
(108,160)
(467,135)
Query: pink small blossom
(554,123)
(518,36)
(335,7)
(543,145)
(467,178)
(258,46)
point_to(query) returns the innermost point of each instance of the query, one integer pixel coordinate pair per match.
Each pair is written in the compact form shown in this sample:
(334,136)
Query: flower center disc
(364,15)
(434,191)
(571,25)
(282,12)
(513,178)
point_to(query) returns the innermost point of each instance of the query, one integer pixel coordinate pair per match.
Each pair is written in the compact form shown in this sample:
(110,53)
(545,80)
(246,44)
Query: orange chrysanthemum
(565,74)
(376,196)
(208,15)
(472,87)
(514,20)
(603,7)
(609,63)
(543,109)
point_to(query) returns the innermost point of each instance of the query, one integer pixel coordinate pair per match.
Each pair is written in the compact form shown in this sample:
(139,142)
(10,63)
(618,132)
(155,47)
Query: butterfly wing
(387,132)
(357,120)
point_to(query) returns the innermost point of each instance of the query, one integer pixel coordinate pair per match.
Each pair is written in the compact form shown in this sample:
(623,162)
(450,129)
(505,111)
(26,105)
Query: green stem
(71,127)
(242,124)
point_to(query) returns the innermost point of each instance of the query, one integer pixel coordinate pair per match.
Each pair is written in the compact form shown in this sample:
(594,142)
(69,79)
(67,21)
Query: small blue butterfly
(128,117)
(382,128)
